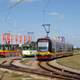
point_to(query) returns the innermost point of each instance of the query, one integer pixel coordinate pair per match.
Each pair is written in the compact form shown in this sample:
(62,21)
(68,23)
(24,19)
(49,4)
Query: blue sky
(22,16)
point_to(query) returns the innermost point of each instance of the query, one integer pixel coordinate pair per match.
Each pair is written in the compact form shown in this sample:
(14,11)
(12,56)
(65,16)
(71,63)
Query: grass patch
(1,59)
(72,62)
(16,75)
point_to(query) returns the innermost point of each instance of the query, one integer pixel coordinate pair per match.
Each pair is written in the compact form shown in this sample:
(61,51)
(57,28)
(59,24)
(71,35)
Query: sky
(23,16)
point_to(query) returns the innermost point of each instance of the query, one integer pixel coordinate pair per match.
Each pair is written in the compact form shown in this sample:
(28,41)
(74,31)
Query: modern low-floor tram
(48,49)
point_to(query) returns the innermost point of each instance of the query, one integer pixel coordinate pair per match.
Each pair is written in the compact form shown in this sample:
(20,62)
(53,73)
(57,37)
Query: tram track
(63,70)
(67,75)
(45,70)
(32,71)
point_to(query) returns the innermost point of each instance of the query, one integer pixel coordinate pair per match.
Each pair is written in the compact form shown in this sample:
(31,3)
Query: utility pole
(46,28)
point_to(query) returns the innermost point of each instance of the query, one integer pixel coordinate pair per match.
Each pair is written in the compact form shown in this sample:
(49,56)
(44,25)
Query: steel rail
(32,71)
(59,72)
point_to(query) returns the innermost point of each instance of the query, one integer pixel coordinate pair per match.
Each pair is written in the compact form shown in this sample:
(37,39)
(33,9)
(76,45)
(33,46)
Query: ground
(12,75)
(72,61)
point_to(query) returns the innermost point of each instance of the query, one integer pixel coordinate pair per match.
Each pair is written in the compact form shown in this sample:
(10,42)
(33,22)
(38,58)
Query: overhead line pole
(47,29)
(46,26)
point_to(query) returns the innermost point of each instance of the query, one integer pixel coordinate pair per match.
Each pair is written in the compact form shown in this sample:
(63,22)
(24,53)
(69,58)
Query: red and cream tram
(8,50)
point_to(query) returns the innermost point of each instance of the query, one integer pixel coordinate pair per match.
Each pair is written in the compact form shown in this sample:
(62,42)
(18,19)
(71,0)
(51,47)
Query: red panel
(25,38)
(8,38)
(16,39)
(3,38)
(29,38)
(20,39)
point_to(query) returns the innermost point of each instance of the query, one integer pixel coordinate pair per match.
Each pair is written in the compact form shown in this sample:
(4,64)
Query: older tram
(9,50)
(29,50)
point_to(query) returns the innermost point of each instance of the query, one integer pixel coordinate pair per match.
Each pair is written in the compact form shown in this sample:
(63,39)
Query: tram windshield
(26,48)
(43,46)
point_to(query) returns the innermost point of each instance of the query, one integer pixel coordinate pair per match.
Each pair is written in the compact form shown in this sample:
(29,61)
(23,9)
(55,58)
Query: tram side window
(53,48)
(69,49)
(33,48)
(14,47)
(6,48)
(24,48)
(11,47)
(0,47)
(59,48)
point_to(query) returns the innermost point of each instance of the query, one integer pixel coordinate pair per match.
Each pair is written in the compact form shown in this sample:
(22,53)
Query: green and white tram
(28,50)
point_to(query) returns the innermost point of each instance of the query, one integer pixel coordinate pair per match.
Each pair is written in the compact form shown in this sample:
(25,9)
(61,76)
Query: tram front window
(26,48)
(43,46)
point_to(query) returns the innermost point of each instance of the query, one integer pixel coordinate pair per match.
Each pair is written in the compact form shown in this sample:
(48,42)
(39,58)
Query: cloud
(17,1)
(54,14)
(29,0)
(14,3)
(57,14)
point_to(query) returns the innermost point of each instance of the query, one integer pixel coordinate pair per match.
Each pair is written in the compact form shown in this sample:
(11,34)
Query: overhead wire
(45,7)
(9,9)
(15,4)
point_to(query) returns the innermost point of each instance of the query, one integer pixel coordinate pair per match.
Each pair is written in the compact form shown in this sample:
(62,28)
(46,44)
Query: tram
(8,50)
(48,49)
(28,50)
